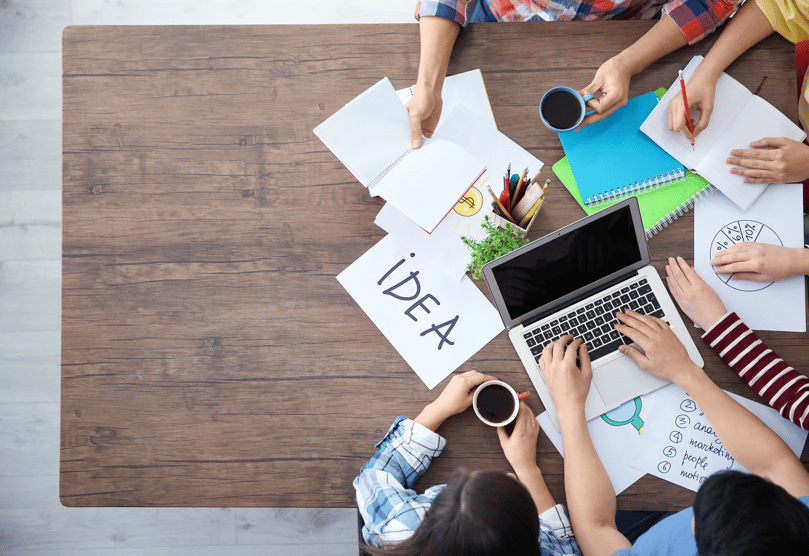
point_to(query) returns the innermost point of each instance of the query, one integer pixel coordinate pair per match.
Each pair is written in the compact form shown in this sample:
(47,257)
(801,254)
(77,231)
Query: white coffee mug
(486,414)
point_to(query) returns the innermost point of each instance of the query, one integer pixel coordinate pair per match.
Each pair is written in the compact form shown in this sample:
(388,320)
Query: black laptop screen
(570,262)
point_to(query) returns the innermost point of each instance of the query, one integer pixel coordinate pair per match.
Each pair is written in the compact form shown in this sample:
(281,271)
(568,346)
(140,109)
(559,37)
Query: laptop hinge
(575,300)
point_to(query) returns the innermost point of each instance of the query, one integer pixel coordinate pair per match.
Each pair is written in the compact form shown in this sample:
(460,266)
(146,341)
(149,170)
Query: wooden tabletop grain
(209,355)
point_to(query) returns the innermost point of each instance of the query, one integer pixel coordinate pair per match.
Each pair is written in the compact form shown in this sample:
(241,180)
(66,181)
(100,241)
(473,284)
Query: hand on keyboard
(567,382)
(664,355)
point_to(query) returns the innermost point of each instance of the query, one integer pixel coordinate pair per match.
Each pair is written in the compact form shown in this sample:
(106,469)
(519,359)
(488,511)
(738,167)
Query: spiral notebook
(371,136)
(658,208)
(613,159)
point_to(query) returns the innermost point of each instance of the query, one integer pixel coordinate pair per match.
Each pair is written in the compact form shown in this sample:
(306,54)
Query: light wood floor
(32,521)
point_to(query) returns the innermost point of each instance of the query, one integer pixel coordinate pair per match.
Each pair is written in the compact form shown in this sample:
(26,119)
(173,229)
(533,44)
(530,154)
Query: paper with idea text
(680,445)
(435,322)
(739,118)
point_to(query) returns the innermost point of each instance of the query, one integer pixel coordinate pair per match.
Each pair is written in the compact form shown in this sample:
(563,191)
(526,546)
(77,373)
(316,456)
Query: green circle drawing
(626,414)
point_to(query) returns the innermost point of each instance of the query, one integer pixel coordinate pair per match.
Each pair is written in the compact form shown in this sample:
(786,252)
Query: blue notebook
(612,159)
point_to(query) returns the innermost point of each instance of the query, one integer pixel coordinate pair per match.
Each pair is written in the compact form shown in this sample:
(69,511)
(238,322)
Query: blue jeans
(481,13)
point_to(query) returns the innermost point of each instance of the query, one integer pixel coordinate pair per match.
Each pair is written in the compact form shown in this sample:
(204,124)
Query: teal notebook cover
(613,158)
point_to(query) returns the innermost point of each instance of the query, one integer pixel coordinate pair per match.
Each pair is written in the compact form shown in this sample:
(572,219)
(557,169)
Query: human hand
(456,398)
(567,383)
(424,108)
(520,448)
(760,262)
(695,297)
(771,160)
(610,89)
(663,355)
(700,91)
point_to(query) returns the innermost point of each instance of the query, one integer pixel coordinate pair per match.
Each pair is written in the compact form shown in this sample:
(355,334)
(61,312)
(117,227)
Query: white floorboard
(31,155)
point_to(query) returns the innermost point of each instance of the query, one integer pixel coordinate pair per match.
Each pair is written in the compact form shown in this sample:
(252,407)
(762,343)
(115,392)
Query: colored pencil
(687,110)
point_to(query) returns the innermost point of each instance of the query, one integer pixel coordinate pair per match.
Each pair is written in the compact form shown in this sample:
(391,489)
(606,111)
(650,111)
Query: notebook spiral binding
(679,211)
(642,186)
(387,170)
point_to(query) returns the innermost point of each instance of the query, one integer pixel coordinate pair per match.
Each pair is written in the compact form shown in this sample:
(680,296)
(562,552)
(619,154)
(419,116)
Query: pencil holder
(501,222)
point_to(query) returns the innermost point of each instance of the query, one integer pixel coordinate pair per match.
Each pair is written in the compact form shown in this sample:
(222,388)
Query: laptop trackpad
(622,379)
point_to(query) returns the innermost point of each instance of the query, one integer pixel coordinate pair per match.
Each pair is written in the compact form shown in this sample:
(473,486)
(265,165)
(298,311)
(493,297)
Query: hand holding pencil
(700,95)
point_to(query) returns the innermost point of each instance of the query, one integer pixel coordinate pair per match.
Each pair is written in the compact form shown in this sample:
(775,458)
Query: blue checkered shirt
(392,510)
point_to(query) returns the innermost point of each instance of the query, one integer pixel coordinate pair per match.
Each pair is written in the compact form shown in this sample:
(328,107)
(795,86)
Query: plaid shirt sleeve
(389,506)
(698,18)
(393,511)
(458,11)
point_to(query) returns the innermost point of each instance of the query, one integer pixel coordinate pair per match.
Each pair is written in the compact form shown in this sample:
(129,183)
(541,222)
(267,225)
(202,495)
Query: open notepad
(739,118)
(371,136)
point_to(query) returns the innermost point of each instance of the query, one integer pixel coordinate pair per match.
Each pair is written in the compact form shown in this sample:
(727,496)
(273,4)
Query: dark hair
(479,513)
(745,515)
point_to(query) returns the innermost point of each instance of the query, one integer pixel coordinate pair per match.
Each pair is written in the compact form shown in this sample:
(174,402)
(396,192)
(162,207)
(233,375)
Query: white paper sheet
(679,444)
(463,88)
(615,435)
(776,218)
(434,322)
(443,247)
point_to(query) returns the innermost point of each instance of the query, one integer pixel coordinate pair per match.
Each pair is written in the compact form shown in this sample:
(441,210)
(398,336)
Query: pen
(687,111)
(503,212)
(505,178)
(520,187)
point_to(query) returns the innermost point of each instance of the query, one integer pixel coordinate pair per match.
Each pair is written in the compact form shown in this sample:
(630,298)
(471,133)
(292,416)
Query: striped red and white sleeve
(780,385)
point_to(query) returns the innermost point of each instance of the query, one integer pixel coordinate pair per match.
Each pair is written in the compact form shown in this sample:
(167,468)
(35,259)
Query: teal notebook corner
(614,158)
(658,207)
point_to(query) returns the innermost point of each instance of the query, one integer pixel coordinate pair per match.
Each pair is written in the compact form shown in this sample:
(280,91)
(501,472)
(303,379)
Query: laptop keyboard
(595,320)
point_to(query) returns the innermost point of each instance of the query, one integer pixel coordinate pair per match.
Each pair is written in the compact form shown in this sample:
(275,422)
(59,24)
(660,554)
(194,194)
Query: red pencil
(687,111)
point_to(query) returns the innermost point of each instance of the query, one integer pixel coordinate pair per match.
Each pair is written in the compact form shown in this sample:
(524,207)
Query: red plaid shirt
(695,18)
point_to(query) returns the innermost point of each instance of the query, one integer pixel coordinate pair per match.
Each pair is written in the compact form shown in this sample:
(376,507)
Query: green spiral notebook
(658,207)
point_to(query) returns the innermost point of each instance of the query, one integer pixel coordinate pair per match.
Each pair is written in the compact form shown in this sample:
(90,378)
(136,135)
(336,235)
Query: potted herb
(499,242)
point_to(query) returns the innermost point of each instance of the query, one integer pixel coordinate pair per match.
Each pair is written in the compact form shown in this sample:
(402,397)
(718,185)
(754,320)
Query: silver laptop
(572,281)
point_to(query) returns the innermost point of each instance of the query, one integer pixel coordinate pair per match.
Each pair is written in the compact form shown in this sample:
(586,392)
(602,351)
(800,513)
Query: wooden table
(209,356)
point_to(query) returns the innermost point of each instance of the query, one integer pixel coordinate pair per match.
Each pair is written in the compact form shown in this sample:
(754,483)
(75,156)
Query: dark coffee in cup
(562,109)
(495,403)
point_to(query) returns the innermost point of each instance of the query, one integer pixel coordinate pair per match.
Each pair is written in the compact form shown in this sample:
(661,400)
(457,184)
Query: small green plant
(499,242)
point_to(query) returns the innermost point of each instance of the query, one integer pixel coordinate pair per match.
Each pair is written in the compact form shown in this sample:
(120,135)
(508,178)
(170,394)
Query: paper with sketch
(495,149)
(777,219)
(679,444)
(443,247)
(615,435)
(463,88)
(435,322)
(739,117)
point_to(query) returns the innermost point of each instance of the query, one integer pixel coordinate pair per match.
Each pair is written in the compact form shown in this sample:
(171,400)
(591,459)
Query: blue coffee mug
(574,94)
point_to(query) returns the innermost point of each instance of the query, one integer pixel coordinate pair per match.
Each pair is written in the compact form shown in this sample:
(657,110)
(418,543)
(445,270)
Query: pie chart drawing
(740,231)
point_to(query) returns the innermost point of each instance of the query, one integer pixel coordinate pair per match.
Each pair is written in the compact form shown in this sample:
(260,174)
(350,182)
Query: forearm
(438,36)
(752,443)
(590,496)
(431,417)
(663,38)
(534,482)
(747,28)
(780,385)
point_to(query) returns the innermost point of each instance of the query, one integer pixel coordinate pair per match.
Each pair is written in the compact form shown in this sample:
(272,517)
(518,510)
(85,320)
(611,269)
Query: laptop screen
(597,248)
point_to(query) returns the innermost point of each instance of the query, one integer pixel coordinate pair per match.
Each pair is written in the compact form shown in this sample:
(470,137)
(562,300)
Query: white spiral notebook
(739,117)
(371,136)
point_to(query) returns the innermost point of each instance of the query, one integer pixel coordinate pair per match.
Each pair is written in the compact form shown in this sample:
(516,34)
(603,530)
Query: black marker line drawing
(739,231)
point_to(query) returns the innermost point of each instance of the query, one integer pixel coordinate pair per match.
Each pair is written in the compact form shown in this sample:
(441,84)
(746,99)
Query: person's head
(479,513)
(745,515)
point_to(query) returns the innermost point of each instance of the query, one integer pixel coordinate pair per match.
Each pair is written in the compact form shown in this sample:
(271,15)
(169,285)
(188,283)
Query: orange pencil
(687,111)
